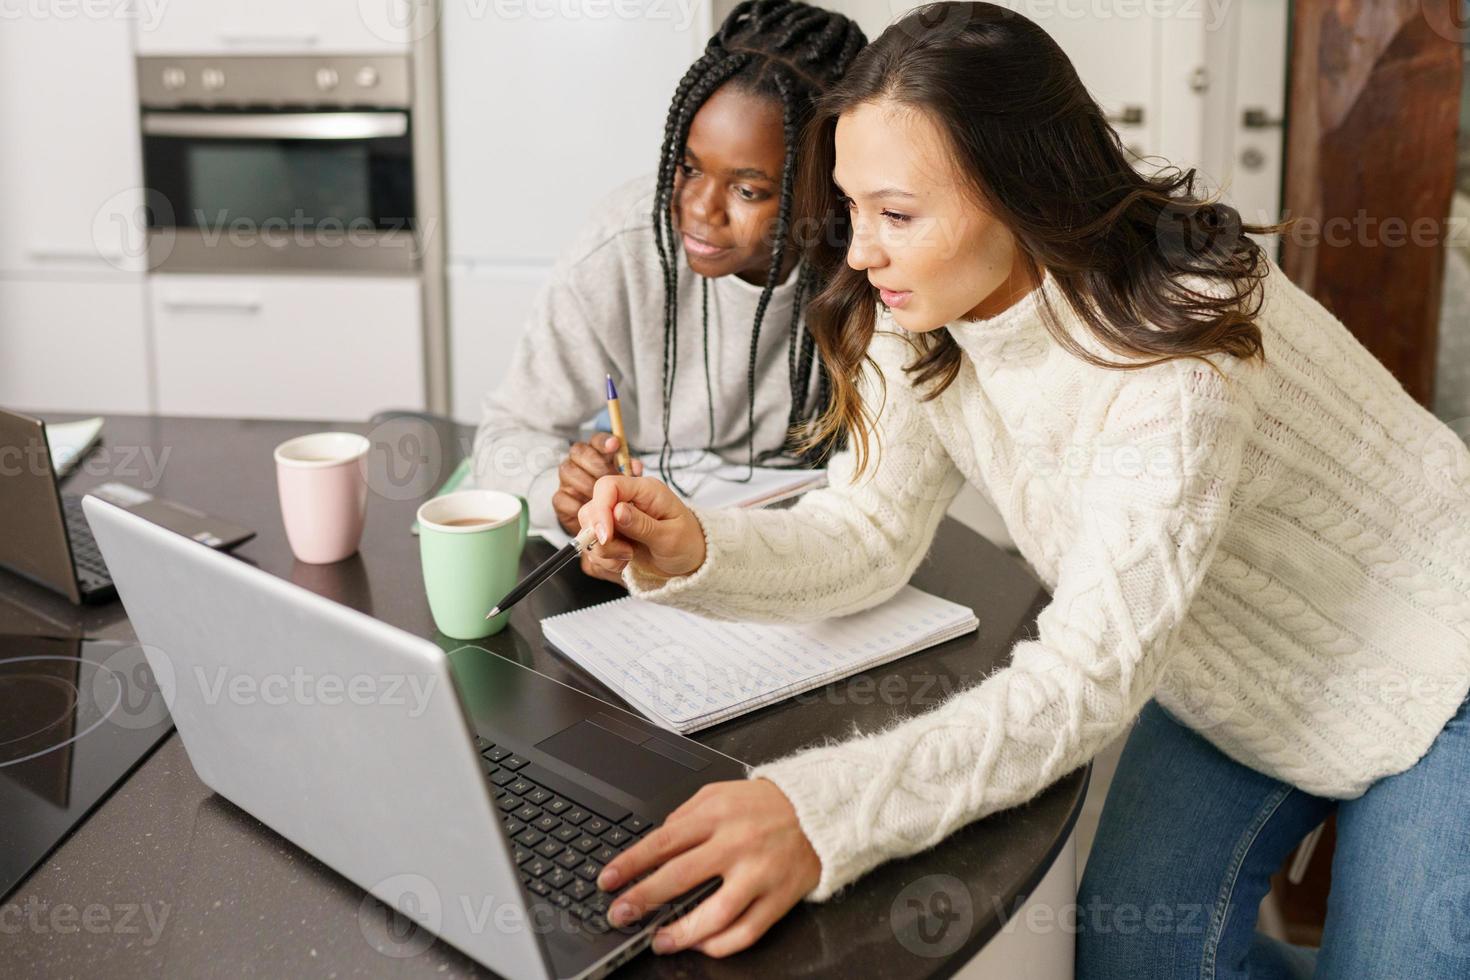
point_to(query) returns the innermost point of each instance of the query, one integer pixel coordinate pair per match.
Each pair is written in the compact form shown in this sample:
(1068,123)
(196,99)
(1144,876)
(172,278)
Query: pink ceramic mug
(323,494)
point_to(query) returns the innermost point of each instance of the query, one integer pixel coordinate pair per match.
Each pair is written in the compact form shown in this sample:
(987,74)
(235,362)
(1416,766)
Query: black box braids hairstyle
(790,52)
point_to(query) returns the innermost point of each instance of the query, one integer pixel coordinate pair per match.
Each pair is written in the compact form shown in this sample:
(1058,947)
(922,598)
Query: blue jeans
(1189,839)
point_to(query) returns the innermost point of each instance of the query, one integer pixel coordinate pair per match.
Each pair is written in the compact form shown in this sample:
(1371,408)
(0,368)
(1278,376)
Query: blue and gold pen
(615,416)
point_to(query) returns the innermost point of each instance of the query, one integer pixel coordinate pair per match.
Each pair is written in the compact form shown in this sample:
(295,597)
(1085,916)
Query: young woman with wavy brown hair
(1257,543)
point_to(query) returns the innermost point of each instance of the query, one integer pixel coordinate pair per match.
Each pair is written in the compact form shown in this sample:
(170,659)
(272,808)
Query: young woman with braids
(1257,543)
(687,289)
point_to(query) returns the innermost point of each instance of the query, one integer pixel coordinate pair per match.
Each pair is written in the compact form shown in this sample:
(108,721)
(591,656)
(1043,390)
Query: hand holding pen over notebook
(573,549)
(701,671)
(679,540)
(687,672)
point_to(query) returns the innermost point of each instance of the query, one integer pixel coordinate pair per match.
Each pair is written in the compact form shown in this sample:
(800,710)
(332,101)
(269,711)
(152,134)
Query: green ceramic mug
(470,543)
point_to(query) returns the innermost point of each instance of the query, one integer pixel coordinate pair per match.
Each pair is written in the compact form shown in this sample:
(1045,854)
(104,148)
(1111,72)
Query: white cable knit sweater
(1283,562)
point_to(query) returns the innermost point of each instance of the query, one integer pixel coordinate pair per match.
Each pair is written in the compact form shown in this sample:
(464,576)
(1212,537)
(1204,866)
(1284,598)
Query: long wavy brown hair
(1040,156)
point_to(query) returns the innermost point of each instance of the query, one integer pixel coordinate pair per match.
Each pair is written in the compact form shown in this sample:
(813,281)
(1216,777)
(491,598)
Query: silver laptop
(475,795)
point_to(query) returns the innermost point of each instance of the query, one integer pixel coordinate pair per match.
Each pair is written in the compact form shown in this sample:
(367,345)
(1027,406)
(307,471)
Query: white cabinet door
(71,172)
(1116,57)
(1256,153)
(73,345)
(545,113)
(287,346)
(1185,80)
(487,316)
(185,27)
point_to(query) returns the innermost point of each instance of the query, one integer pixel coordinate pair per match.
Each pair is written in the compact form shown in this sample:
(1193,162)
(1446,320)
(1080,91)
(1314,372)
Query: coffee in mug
(470,545)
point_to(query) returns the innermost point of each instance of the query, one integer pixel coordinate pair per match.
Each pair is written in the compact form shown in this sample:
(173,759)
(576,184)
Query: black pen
(545,570)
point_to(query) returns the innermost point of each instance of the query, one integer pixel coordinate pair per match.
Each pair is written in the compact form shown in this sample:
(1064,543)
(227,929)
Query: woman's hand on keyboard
(745,832)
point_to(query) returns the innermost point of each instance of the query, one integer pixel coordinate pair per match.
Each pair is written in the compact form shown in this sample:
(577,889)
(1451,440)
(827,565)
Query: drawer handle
(305,39)
(284,126)
(213,305)
(1258,118)
(74,255)
(1130,115)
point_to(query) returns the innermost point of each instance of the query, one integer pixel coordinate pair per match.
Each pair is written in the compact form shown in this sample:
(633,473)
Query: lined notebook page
(687,672)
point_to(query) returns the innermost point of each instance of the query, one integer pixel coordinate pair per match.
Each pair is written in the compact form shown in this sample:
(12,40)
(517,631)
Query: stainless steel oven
(279,163)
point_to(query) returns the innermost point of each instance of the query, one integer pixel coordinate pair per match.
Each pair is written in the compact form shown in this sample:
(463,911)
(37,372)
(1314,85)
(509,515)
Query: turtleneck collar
(1013,335)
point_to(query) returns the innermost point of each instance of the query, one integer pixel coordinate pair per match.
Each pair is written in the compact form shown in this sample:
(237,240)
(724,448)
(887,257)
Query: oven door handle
(277,125)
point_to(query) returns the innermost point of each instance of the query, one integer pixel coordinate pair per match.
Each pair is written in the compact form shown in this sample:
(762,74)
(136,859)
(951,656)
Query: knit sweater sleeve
(1146,535)
(841,549)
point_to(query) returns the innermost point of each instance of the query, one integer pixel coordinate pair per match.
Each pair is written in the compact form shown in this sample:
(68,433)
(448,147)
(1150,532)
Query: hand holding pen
(602,454)
(629,518)
(641,519)
(644,519)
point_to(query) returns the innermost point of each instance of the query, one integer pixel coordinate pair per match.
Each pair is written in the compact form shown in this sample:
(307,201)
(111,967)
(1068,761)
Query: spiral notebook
(686,672)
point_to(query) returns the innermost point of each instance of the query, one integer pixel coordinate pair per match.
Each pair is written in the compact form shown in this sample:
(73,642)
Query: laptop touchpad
(615,760)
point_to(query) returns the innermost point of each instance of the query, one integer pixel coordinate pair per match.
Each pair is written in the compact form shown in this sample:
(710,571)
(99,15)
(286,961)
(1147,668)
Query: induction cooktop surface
(76,717)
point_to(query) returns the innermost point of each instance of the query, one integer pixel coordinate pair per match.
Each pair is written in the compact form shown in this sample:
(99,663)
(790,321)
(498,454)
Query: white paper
(67,441)
(687,672)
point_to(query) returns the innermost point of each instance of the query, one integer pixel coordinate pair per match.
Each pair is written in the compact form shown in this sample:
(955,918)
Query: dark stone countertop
(209,891)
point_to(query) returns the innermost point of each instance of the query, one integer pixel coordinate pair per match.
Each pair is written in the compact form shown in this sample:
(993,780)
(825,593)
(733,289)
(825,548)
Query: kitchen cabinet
(287,346)
(1246,149)
(488,306)
(73,334)
(1205,85)
(71,174)
(192,27)
(1116,58)
(73,346)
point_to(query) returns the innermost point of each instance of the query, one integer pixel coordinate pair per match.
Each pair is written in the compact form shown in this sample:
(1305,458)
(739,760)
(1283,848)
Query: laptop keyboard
(560,845)
(83,546)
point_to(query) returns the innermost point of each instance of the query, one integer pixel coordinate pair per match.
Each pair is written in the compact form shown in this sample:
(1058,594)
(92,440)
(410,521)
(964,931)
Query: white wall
(542,118)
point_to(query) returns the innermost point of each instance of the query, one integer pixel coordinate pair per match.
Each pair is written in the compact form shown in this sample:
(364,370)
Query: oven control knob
(174,79)
(213,79)
(367,76)
(326,79)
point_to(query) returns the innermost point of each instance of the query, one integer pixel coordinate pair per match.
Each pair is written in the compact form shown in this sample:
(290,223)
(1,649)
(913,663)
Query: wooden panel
(1374,103)
(1373,107)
